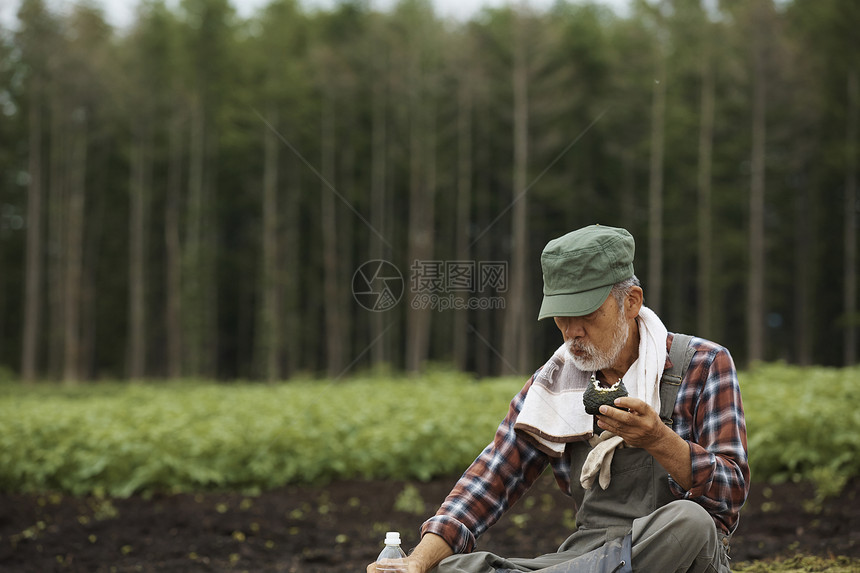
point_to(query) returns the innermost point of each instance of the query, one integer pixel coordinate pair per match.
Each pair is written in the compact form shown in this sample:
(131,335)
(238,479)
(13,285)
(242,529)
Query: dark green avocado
(596,395)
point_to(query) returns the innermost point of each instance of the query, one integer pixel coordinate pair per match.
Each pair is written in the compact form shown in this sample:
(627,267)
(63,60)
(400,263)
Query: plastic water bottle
(392,559)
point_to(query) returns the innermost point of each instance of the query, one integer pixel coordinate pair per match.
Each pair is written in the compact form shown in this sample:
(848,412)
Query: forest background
(197,195)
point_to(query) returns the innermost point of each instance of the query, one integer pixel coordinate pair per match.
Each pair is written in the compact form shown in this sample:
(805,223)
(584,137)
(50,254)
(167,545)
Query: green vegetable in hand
(596,395)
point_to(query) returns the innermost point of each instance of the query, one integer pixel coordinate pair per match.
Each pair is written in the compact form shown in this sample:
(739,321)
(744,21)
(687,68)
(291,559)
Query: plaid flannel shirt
(708,414)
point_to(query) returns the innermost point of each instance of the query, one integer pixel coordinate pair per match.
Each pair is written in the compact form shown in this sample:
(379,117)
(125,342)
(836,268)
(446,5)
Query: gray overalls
(635,519)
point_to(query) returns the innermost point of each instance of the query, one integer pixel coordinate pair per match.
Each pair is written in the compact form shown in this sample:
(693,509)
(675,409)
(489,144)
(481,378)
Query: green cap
(580,268)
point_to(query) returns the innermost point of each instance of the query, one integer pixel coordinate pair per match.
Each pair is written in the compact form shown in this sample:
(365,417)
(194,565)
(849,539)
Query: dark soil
(340,527)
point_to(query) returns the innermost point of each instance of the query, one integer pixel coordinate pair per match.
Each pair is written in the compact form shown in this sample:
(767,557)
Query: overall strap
(680,355)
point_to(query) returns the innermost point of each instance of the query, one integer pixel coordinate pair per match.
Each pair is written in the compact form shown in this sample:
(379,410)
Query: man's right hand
(427,554)
(411,567)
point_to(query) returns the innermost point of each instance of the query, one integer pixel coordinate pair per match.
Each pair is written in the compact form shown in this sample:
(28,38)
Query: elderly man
(658,480)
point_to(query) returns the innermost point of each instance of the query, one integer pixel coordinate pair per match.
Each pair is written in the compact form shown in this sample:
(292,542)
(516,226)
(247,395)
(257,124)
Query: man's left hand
(641,427)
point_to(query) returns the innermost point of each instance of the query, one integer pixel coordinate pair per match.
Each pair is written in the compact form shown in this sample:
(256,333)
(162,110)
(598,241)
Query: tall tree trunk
(628,188)
(173,251)
(486,363)
(57,222)
(429,210)
(706,141)
(422,190)
(138,217)
(379,352)
(270,316)
(209,272)
(96,206)
(655,186)
(193,304)
(755,291)
(803,327)
(850,248)
(346,227)
(290,238)
(33,274)
(515,345)
(74,253)
(331,288)
(464,200)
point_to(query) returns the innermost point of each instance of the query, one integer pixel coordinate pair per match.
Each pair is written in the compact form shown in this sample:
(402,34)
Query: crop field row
(119,439)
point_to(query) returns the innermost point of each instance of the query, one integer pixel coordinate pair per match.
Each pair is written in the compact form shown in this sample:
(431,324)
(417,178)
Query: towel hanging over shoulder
(553,414)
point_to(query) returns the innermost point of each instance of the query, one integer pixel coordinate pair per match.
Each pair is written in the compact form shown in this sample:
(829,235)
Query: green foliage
(801,425)
(800,563)
(409,500)
(124,438)
(6,375)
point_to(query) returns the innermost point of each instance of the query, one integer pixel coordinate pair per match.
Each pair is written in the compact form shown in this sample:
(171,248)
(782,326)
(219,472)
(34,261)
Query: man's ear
(634,301)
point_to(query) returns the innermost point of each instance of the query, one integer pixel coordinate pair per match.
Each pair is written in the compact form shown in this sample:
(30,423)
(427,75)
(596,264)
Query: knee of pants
(691,520)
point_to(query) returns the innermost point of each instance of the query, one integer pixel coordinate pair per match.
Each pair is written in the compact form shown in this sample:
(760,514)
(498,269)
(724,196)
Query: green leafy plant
(118,439)
(799,427)
(122,439)
(409,500)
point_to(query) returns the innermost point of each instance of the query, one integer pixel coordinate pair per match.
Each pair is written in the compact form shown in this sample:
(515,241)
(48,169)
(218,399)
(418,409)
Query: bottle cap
(392,538)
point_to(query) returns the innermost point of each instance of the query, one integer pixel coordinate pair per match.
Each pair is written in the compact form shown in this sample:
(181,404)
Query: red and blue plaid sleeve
(499,476)
(709,415)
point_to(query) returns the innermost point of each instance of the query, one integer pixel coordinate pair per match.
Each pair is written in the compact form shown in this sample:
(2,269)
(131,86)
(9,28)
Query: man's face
(595,341)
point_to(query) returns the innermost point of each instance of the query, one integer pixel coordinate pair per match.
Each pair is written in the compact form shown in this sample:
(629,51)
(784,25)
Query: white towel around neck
(553,413)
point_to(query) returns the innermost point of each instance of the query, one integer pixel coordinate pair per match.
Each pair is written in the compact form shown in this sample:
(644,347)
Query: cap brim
(573,304)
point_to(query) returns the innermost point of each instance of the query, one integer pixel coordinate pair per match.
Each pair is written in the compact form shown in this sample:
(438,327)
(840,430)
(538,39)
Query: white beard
(594,358)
